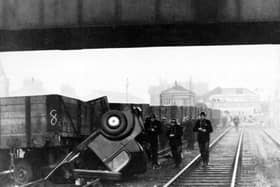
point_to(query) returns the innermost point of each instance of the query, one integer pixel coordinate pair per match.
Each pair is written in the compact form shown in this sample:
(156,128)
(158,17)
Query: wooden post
(28,121)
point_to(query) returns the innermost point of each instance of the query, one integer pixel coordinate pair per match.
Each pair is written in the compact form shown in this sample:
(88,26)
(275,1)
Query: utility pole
(126,90)
(4,82)
(191,102)
(190,83)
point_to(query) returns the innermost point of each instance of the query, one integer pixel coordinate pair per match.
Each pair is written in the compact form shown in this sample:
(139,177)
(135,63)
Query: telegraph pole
(190,84)
(126,90)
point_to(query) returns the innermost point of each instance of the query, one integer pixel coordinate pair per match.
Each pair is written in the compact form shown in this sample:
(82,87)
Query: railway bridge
(77,24)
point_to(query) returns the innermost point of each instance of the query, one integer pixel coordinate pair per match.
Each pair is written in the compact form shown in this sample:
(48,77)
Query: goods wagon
(170,112)
(28,122)
(179,112)
(36,132)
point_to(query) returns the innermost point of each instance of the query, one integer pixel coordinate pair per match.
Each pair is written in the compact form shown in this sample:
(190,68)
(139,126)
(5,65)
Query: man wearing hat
(174,134)
(165,123)
(188,125)
(154,129)
(203,128)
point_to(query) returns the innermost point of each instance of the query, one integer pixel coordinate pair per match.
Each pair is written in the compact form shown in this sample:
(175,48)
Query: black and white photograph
(132,93)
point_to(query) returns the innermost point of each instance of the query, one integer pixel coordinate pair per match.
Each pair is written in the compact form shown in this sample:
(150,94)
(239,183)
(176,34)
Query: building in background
(236,101)
(154,92)
(199,88)
(4,83)
(30,86)
(177,95)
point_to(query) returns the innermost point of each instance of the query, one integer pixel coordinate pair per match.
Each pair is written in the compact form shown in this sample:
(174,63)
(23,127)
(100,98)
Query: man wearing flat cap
(203,128)
(174,134)
(154,130)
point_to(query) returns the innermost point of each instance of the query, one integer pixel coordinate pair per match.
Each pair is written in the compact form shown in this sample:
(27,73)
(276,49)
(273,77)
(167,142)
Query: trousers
(154,154)
(204,151)
(176,153)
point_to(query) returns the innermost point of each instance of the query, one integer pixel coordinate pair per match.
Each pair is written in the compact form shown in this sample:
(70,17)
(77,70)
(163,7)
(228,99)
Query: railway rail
(232,162)
(260,157)
(247,175)
(272,136)
(224,166)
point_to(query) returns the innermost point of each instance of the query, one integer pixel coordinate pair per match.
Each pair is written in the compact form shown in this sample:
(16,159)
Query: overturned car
(61,139)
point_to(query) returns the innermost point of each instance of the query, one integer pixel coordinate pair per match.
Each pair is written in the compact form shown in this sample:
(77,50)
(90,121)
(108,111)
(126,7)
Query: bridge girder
(141,36)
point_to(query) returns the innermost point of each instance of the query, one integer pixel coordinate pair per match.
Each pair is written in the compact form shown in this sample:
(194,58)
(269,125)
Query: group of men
(174,132)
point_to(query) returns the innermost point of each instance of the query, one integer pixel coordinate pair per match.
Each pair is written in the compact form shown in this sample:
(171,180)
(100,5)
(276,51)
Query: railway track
(273,136)
(247,175)
(135,180)
(223,168)
(259,148)
(228,150)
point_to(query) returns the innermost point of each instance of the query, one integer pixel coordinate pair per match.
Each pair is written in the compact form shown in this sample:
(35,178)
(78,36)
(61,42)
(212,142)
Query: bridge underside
(141,36)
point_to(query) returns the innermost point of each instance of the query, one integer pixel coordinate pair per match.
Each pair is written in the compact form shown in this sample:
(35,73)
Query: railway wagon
(121,106)
(38,120)
(41,14)
(33,127)
(170,112)
(36,132)
(179,112)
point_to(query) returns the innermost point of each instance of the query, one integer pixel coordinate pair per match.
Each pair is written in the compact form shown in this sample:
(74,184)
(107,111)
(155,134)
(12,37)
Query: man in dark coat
(188,132)
(203,127)
(174,134)
(236,122)
(144,139)
(164,128)
(153,129)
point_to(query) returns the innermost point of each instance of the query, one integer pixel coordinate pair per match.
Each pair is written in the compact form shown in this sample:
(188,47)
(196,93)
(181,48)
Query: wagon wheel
(23,171)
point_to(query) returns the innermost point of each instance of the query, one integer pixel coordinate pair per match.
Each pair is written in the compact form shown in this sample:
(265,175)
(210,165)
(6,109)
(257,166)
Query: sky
(249,66)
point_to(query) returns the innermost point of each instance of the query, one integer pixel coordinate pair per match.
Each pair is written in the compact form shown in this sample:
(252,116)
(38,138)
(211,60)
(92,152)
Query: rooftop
(229,91)
(176,88)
